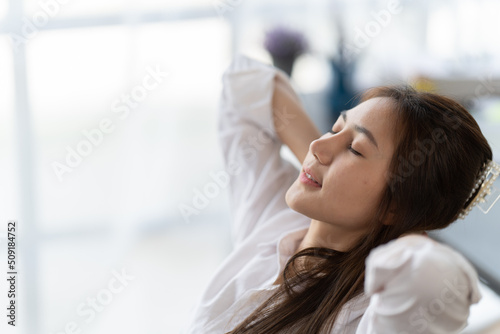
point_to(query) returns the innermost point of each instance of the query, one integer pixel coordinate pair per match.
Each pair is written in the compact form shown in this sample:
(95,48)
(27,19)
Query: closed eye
(354,151)
(350,146)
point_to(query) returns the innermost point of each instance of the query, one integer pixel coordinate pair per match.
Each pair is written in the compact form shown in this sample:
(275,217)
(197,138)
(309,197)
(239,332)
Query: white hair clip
(487,195)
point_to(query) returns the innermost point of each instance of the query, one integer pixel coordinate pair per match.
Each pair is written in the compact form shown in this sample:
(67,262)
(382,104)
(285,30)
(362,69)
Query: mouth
(308,178)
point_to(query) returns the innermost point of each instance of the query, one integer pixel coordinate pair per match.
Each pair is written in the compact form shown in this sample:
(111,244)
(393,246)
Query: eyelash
(350,146)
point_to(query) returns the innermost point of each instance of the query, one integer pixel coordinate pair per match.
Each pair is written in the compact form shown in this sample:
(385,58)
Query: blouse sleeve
(259,176)
(417,286)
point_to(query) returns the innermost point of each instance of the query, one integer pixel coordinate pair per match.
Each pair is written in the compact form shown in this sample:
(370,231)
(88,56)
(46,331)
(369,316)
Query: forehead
(377,115)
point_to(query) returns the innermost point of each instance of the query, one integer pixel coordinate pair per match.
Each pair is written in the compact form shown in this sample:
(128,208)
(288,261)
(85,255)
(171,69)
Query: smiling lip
(304,179)
(310,172)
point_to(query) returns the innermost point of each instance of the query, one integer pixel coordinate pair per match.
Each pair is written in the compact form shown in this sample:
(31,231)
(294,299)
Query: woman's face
(350,165)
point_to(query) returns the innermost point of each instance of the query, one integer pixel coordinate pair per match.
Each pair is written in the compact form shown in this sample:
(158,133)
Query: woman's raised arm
(294,127)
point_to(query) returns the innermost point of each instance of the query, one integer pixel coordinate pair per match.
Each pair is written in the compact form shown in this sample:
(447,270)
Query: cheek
(371,189)
(374,183)
(359,188)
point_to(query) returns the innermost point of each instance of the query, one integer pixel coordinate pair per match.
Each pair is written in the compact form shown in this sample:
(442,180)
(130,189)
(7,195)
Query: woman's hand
(292,124)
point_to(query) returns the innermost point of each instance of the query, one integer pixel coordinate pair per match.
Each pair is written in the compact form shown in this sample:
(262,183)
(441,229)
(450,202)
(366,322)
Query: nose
(324,148)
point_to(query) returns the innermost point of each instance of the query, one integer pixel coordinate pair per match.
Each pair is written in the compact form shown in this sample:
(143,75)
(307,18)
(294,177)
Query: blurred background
(108,138)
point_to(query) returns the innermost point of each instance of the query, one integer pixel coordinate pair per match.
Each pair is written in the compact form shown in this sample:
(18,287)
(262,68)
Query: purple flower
(282,42)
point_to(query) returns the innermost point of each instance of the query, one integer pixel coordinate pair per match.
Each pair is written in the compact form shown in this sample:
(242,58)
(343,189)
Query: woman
(340,246)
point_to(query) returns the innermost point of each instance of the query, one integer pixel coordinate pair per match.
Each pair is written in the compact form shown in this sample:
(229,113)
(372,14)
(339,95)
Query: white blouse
(412,285)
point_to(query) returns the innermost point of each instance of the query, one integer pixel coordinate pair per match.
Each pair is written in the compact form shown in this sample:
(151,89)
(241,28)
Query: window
(95,101)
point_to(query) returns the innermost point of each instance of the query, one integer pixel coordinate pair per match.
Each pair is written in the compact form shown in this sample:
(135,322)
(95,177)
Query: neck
(325,235)
(321,234)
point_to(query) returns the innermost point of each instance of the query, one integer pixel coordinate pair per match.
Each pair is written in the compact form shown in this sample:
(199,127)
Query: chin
(295,202)
(288,199)
(291,198)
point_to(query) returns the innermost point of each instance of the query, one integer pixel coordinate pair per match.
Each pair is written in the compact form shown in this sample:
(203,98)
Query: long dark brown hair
(440,150)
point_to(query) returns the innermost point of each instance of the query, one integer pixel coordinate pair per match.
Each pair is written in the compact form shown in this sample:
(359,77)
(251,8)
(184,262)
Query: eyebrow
(361,129)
